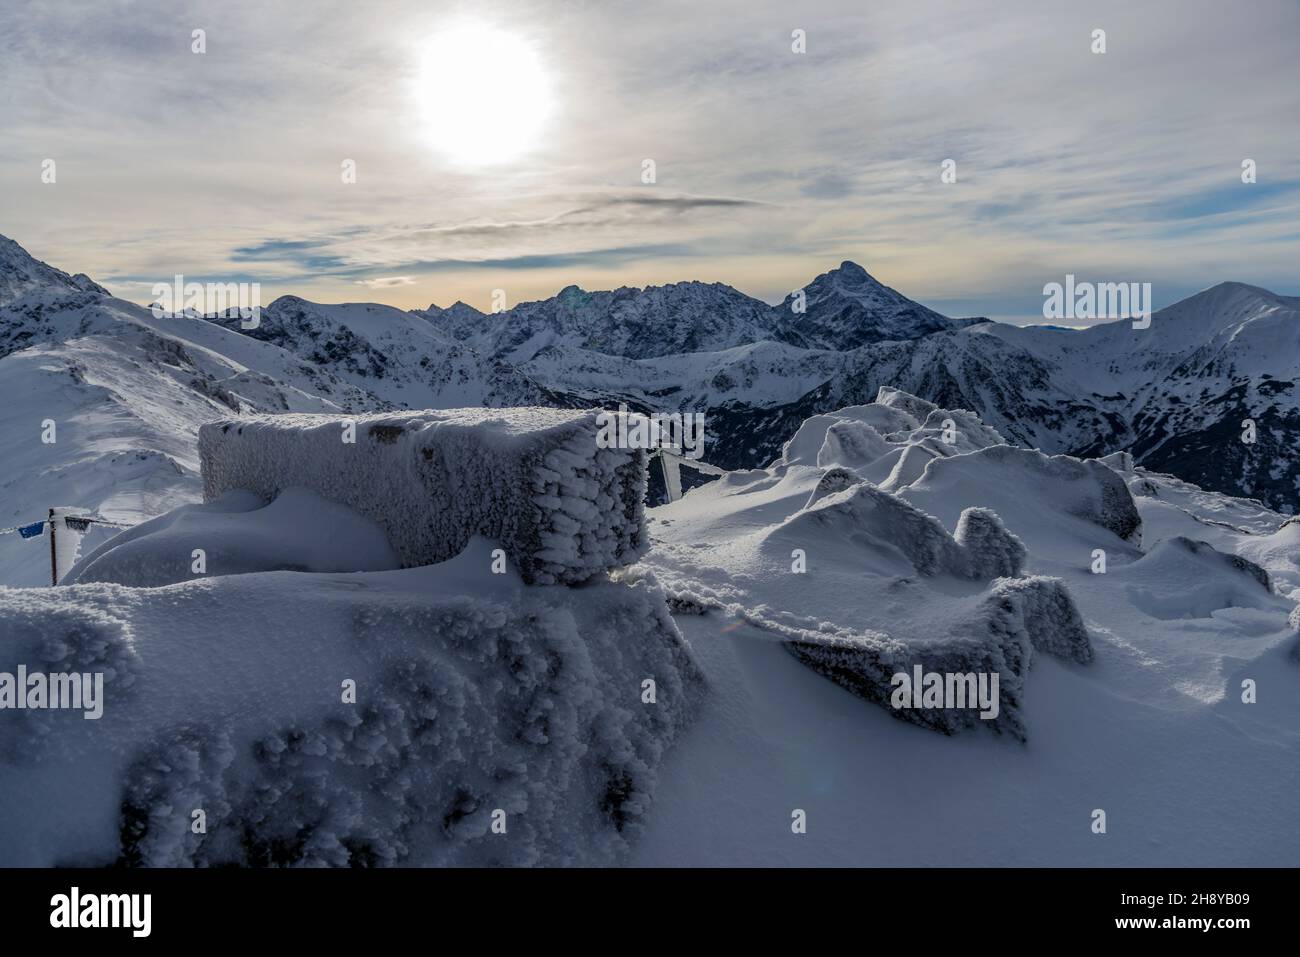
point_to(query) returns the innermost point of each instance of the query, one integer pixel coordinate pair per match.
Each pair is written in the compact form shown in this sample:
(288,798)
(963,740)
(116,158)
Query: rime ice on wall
(531,479)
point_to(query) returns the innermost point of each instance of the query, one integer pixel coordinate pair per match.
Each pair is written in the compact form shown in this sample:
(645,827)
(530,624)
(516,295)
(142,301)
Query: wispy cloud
(386,282)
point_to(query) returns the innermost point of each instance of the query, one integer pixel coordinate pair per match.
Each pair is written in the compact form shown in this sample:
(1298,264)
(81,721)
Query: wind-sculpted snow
(1044,611)
(900,533)
(981,548)
(1019,616)
(858,582)
(852,443)
(1181,578)
(237,534)
(894,437)
(917,408)
(532,479)
(478,702)
(991,549)
(1059,484)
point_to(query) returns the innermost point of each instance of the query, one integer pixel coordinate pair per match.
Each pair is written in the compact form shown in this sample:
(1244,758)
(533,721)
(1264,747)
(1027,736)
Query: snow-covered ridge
(20,274)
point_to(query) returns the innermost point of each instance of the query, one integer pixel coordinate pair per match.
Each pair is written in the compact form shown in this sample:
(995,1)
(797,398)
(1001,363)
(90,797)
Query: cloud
(386,282)
(771,165)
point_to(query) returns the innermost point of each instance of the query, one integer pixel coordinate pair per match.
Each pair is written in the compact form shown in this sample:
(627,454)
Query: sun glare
(485,95)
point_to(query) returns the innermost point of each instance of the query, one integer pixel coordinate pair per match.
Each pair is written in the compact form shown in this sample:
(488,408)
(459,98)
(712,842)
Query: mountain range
(132,388)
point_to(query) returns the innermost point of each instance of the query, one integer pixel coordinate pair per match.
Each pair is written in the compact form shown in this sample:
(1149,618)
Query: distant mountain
(401,358)
(1175,395)
(846,308)
(1181,392)
(633,323)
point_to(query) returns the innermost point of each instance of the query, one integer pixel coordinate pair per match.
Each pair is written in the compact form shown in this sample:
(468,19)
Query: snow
(1121,708)
(1131,731)
(474,693)
(532,479)
(126,392)
(886,586)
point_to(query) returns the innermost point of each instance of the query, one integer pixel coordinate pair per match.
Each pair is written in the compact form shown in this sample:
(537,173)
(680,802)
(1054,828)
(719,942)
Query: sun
(484,93)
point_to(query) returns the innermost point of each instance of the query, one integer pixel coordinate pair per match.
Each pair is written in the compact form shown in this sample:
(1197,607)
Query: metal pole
(54,561)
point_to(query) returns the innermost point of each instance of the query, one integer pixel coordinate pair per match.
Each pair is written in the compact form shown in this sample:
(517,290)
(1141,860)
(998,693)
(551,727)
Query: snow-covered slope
(239,532)
(886,536)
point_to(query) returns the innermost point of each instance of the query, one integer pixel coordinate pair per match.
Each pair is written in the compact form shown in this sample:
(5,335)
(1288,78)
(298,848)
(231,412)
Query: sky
(503,146)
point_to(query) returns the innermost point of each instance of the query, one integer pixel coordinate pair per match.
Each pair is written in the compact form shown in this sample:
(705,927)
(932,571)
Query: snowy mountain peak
(457,308)
(849,271)
(1226,295)
(21,273)
(850,279)
(847,307)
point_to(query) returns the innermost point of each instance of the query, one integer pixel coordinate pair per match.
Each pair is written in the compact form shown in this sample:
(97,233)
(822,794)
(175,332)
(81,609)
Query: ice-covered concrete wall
(532,479)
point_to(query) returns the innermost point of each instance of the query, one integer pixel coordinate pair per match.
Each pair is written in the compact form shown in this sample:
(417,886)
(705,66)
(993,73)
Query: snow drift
(531,479)
(238,534)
